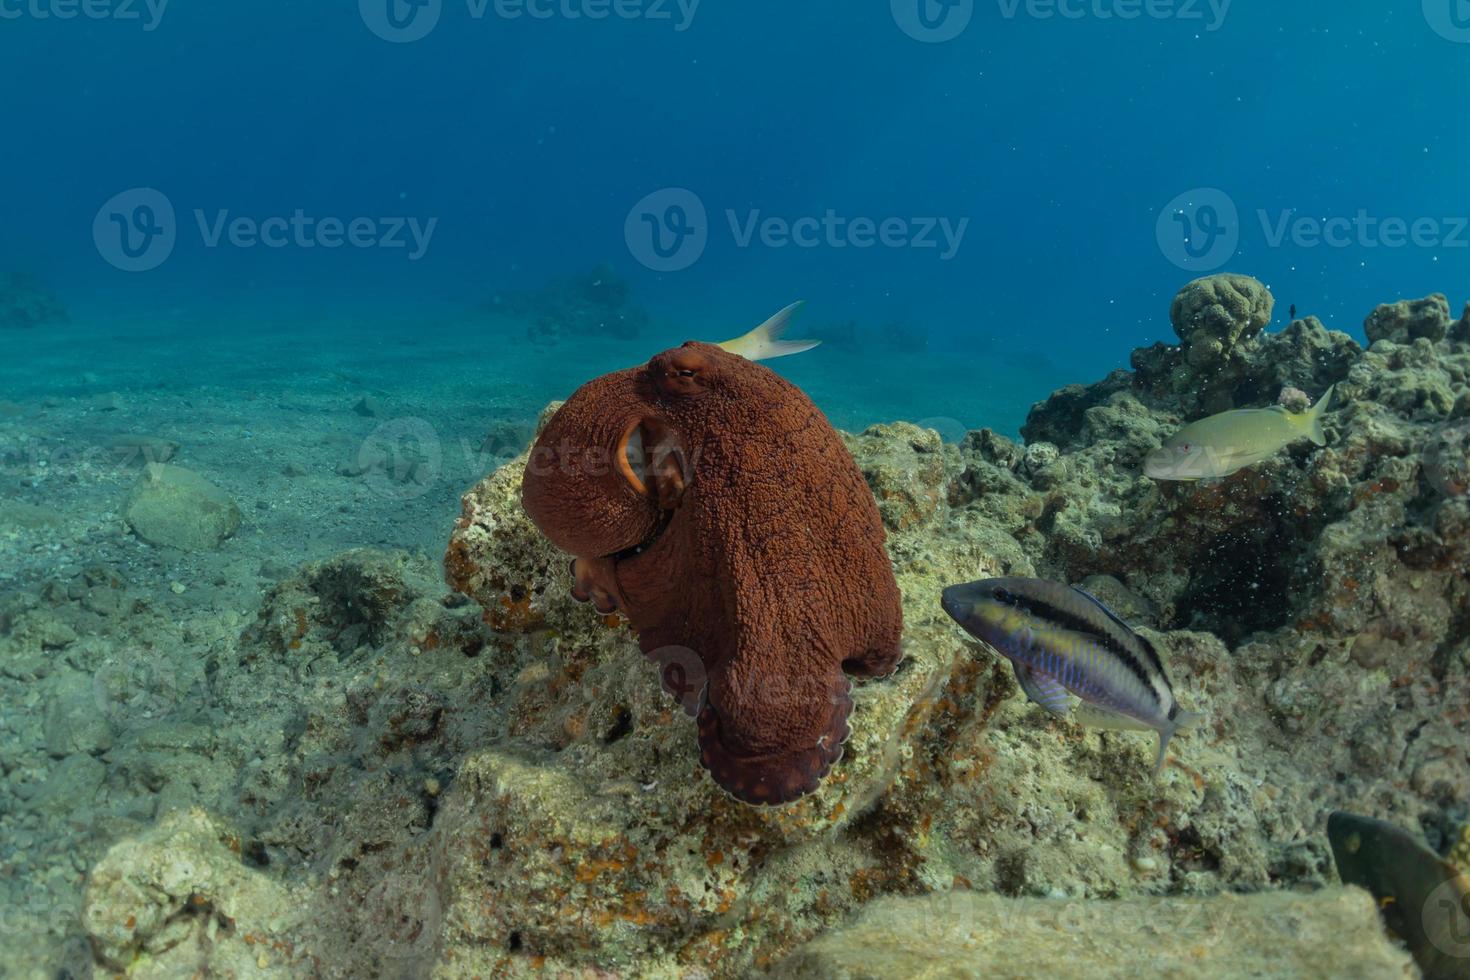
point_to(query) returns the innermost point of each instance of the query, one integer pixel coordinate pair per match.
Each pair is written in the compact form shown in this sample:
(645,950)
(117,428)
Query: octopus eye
(682,371)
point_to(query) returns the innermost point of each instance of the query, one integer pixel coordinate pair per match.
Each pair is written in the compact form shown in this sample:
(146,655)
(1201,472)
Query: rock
(179,899)
(71,787)
(75,722)
(904,467)
(1407,320)
(177,508)
(1447,459)
(1330,933)
(1215,314)
(25,302)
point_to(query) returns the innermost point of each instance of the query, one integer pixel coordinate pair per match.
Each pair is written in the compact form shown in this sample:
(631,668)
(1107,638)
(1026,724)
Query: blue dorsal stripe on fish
(1148,648)
(1118,647)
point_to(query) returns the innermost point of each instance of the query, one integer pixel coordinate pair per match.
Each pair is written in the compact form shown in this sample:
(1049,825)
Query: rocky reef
(26,302)
(400,779)
(598,303)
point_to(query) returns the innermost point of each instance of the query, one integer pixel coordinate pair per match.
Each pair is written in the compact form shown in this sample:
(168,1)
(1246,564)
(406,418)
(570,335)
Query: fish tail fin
(1314,417)
(1183,721)
(764,342)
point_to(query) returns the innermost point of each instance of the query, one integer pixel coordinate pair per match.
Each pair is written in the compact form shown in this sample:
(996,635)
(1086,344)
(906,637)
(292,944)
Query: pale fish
(1219,445)
(764,342)
(1062,641)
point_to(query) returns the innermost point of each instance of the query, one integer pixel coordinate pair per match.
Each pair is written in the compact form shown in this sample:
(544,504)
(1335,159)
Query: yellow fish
(1221,444)
(764,342)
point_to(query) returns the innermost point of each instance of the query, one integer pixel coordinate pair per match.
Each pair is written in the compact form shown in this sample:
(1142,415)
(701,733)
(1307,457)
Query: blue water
(1057,140)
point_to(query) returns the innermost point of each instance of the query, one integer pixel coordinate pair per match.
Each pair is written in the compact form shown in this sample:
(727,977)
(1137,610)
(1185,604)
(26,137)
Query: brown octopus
(709,501)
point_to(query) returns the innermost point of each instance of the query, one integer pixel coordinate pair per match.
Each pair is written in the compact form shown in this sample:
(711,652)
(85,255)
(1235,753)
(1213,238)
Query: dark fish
(1061,640)
(1423,898)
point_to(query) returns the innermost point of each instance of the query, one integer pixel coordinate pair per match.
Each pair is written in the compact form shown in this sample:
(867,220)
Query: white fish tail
(1314,417)
(764,342)
(1183,721)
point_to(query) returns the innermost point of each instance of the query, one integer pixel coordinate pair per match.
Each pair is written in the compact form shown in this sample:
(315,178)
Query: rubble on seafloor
(417,783)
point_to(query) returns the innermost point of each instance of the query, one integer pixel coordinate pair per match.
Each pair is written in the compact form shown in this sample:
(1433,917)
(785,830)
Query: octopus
(708,501)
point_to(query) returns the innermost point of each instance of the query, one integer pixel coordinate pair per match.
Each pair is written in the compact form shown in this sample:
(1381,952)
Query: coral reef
(598,303)
(491,782)
(25,302)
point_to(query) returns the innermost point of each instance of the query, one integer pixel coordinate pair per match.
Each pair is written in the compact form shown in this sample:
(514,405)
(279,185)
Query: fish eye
(1001,595)
(1184,448)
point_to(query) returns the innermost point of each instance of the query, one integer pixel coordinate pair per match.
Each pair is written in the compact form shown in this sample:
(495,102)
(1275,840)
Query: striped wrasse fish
(1062,641)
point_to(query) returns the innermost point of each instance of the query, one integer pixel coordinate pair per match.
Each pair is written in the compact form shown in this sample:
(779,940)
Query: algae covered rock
(177,508)
(1330,933)
(1214,315)
(178,900)
(1408,320)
